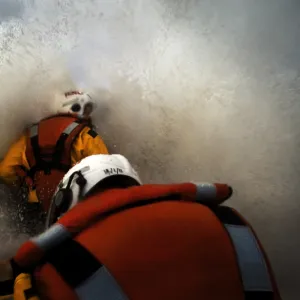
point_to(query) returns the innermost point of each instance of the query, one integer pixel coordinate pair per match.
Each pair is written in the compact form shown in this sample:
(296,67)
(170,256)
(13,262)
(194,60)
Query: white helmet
(95,170)
(79,103)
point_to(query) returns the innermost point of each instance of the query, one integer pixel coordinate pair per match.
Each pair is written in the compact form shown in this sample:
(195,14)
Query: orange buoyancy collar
(60,245)
(92,209)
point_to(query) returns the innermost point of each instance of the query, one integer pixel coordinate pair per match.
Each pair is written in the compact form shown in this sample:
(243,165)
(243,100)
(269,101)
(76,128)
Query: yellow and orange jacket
(148,242)
(79,141)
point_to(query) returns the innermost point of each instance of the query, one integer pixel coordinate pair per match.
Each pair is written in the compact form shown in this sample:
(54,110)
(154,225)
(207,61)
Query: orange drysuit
(144,243)
(47,151)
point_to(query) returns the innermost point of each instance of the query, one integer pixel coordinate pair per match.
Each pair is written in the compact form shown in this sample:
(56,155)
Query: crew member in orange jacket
(109,237)
(47,150)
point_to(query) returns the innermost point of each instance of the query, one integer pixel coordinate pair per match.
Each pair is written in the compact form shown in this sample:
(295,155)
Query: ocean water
(187,90)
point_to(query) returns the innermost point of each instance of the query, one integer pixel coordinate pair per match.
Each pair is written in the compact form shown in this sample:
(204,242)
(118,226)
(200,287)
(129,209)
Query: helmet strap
(63,198)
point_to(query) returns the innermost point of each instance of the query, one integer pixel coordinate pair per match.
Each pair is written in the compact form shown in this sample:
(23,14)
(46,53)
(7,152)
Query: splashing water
(187,90)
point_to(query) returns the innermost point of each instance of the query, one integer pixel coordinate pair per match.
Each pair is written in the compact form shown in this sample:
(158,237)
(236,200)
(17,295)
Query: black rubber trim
(30,293)
(73,262)
(227,216)
(92,133)
(259,295)
(6,287)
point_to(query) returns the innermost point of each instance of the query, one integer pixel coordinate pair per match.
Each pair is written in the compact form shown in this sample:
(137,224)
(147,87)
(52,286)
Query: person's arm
(13,158)
(87,143)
